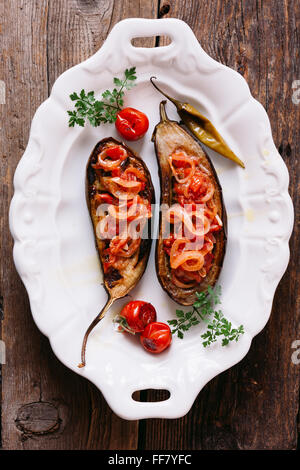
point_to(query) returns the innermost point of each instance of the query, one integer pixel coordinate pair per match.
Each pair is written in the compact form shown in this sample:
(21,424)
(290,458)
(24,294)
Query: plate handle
(130,409)
(126,30)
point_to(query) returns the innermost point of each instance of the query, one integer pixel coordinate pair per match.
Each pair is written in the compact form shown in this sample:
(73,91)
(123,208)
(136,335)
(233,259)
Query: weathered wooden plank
(25,89)
(45,406)
(254,405)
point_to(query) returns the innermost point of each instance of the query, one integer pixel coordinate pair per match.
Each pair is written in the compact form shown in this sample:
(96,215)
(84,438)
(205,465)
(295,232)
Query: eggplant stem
(91,327)
(162,111)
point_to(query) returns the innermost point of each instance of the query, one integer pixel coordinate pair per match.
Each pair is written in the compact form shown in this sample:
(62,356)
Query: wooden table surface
(254,405)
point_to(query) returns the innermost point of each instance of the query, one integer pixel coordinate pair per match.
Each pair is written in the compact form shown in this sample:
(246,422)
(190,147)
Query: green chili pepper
(201,127)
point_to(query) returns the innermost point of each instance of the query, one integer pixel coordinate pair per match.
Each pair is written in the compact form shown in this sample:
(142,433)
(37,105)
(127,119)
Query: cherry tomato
(132,124)
(138,315)
(156,337)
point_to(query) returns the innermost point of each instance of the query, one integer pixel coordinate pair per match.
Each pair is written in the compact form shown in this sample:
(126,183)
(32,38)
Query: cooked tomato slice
(138,314)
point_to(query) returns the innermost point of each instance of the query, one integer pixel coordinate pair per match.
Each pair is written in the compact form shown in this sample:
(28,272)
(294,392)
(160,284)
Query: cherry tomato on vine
(156,337)
(132,124)
(138,314)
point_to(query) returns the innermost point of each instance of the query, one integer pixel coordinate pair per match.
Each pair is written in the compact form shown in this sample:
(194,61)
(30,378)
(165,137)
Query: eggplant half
(123,262)
(169,137)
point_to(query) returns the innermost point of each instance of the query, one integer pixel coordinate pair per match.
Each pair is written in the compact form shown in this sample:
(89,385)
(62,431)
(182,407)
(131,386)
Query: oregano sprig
(220,326)
(97,112)
(204,310)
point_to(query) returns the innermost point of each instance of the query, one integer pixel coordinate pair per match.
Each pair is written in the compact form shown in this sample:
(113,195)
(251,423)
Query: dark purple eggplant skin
(115,284)
(182,138)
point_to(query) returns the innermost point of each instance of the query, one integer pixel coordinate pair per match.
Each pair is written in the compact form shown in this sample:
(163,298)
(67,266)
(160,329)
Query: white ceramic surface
(54,249)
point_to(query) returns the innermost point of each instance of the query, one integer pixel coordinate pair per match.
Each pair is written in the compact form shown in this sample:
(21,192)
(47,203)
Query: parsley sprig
(97,112)
(204,310)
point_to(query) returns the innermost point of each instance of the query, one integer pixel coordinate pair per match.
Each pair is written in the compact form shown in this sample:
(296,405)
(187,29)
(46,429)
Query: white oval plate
(54,249)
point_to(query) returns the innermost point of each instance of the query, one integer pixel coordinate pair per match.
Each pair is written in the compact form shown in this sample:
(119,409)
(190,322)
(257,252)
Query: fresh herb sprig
(97,112)
(204,310)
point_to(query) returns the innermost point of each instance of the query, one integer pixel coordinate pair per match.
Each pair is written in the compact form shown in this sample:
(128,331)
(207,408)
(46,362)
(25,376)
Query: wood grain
(39,40)
(254,405)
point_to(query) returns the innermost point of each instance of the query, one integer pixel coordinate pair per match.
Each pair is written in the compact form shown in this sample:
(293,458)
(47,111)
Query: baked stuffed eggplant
(192,232)
(119,194)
